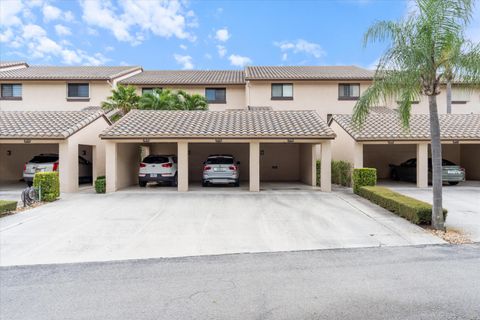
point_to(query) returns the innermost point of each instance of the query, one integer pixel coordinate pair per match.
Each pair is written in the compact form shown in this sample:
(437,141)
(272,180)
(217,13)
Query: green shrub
(342,173)
(100,184)
(319,164)
(414,210)
(48,185)
(364,177)
(7,206)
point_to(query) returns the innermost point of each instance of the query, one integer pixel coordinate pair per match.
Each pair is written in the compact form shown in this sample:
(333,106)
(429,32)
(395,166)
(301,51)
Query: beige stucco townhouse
(326,90)
(270,145)
(382,140)
(52,88)
(70,134)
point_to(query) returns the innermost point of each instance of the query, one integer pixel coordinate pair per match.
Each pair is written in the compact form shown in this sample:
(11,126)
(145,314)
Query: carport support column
(254,166)
(111,166)
(326,167)
(358,155)
(182,172)
(68,166)
(422,165)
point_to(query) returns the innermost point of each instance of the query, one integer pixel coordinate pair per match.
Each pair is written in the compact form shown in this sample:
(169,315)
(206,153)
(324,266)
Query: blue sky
(195,34)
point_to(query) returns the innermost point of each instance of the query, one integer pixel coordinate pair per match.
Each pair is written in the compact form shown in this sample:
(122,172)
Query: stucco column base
(358,155)
(422,165)
(182,162)
(68,166)
(326,167)
(254,166)
(111,166)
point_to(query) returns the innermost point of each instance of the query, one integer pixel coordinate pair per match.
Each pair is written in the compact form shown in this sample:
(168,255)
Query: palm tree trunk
(436,146)
(449,96)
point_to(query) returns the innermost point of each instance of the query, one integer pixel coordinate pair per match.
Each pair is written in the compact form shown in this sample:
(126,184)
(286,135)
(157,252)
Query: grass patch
(7,206)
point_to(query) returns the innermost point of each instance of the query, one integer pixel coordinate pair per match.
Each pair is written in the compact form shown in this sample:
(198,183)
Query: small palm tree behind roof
(427,49)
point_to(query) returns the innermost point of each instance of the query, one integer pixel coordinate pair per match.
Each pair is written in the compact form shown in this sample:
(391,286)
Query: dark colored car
(407,171)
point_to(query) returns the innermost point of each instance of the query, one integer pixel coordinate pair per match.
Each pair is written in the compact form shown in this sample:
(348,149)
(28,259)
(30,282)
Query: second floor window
(149,90)
(348,91)
(282,91)
(216,95)
(78,90)
(11,91)
(460,95)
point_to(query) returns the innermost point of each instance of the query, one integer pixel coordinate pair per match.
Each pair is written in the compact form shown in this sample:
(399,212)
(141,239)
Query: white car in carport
(48,162)
(158,168)
(221,169)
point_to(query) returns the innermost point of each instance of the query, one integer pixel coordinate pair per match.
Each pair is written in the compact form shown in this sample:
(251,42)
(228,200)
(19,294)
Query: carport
(382,140)
(271,145)
(69,134)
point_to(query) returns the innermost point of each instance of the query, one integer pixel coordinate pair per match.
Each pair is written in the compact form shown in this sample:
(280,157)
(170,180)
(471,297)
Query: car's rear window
(44,159)
(447,163)
(219,160)
(155,159)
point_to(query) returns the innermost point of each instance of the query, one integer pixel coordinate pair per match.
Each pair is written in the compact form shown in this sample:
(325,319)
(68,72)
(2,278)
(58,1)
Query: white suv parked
(158,168)
(48,162)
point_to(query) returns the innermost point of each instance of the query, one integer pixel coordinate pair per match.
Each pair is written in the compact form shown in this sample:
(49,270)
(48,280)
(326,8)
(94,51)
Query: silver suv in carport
(158,168)
(221,169)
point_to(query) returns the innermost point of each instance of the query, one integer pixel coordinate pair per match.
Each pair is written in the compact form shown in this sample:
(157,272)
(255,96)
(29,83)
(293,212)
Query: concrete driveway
(135,224)
(462,202)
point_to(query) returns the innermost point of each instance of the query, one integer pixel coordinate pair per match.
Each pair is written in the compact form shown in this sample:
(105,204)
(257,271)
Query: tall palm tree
(187,101)
(415,64)
(123,98)
(169,100)
(158,99)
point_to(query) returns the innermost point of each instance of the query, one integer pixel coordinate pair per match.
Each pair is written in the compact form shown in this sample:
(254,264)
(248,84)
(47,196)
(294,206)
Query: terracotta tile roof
(381,127)
(186,77)
(220,124)
(44,124)
(6,64)
(66,73)
(307,73)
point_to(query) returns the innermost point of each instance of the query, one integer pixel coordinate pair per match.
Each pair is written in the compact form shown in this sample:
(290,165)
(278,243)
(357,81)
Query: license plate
(153,175)
(219,169)
(452,171)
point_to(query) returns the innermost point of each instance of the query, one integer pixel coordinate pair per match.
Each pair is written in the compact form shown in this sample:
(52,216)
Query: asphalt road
(433,282)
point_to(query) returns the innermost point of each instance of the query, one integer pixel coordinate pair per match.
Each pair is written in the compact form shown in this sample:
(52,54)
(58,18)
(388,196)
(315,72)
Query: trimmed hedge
(100,184)
(363,177)
(7,206)
(341,173)
(48,185)
(414,210)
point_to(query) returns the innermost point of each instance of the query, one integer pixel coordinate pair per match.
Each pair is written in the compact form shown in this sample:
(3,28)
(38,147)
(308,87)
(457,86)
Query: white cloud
(109,48)
(301,46)
(222,51)
(183,47)
(185,61)
(33,31)
(51,13)
(6,36)
(68,16)
(9,11)
(222,35)
(131,20)
(284,56)
(62,30)
(239,61)
(208,56)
